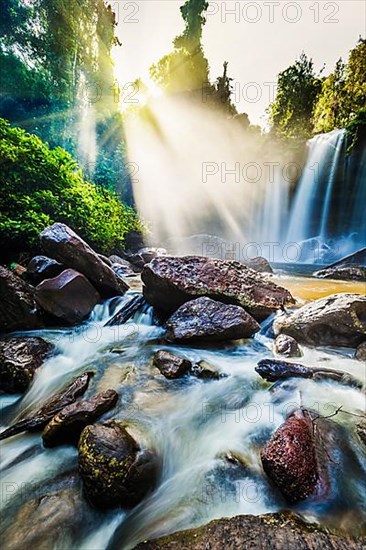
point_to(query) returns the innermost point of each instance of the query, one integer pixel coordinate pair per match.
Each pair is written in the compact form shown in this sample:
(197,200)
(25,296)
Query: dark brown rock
(123,270)
(67,425)
(41,268)
(343,272)
(286,345)
(69,296)
(171,365)
(61,243)
(20,357)
(259,264)
(170,281)
(281,531)
(205,371)
(206,319)
(18,308)
(290,459)
(38,420)
(337,320)
(361,352)
(114,468)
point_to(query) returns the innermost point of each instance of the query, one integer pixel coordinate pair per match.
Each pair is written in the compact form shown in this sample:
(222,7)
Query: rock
(67,425)
(290,459)
(337,320)
(343,272)
(19,271)
(39,419)
(170,365)
(278,531)
(361,352)
(61,243)
(41,268)
(204,370)
(273,370)
(20,357)
(259,264)
(144,256)
(358,257)
(206,319)
(69,297)
(361,430)
(171,281)
(18,308)
(127,310)
(104,259)
(114,468)
(286,345)
(123,270)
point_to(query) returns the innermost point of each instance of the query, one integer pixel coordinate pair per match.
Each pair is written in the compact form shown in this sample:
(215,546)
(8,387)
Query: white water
(190,423)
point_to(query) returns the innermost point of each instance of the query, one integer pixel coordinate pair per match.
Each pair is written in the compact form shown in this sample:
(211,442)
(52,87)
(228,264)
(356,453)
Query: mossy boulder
(115,469)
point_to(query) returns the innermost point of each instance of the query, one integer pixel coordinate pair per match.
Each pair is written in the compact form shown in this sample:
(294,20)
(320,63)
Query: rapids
(190,423)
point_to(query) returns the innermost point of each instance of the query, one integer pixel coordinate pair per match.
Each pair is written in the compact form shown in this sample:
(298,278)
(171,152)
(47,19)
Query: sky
(258,38)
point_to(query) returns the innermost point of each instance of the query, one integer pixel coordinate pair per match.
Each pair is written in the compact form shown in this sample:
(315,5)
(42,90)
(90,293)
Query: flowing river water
(190,423)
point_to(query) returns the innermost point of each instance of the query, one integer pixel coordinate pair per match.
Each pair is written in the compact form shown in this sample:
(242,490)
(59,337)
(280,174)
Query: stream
(190,423)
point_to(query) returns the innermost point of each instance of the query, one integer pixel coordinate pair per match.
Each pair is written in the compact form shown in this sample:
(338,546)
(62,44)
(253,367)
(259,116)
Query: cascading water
(190,423)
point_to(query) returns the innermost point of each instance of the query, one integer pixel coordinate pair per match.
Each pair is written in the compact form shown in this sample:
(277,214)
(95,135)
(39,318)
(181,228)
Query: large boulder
(61,243)
(290,459)
(280,531)
(206,319)
(115,470)
(69,297)
(337,320)
(343,272)
(41,268)
(18,307)
(170,281)
(20,357)
(170,365)
(67,425)
(286,345)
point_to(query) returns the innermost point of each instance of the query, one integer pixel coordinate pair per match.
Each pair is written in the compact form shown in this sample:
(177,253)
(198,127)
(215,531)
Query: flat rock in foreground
(282,531)
(206,319)
(337,320)
(171,281)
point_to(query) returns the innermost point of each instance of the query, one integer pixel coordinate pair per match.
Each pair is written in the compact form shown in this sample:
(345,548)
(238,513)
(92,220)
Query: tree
(291,113)
(330,110)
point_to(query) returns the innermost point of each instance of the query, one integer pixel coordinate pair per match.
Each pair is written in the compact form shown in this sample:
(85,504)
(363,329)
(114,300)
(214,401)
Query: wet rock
(290,459)
(67,425)
(127,310)
(361,430)
(18,308)
(273,370)
(20,357)
(343,272)
(171,281)
(41,268)
(206,319)
(115,470)
(144,256)
(266,532)
(361,352)
(61,243)
(106,260)
(259,264)
(170,365)
(69,297)
(286,345)
(205,371)
(123,270)
(337,320)
(39,419)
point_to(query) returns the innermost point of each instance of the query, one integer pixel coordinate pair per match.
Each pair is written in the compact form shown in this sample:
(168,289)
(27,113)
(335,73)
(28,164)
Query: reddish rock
(170,281)
(62,244)
(290,459)
(206,319)
(18,307)
(69,297)
(20,357)
(171,365)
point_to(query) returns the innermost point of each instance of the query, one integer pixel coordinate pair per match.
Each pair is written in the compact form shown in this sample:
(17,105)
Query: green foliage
(343,92)
(291,113)
(40,186)
(356,130)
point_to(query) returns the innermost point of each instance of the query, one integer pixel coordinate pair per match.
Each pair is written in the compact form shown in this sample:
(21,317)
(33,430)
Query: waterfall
(326,216)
